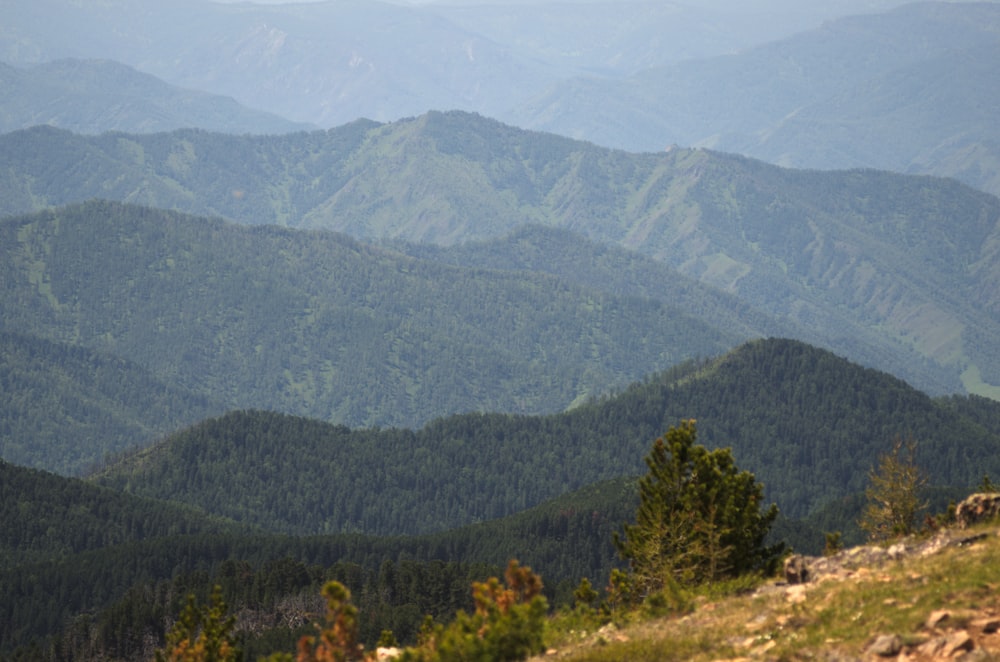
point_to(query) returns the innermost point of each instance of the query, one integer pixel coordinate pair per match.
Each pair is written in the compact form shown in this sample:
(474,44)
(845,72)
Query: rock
(947,646)
(897,551)
(936,618)
(796,594)
(796,569)
(886,645)
(956,642)
(987,625)
(976,508)
(387,653)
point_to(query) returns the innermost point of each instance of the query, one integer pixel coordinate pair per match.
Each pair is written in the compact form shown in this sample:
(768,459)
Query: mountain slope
(893,265)
(94,96)
(50,518)
(904,90)
(316,323)
(807,423)
(65,407)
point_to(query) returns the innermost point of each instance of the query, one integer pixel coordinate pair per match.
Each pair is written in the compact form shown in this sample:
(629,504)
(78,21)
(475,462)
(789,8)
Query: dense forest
(102,570)
(805,421)
(65,406)
(97,570)
(851,250)
(116,568)
(316,323)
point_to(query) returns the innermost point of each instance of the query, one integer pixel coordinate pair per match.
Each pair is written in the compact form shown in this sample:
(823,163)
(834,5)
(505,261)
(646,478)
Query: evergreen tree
(202,634)
(893,493)
(699,517)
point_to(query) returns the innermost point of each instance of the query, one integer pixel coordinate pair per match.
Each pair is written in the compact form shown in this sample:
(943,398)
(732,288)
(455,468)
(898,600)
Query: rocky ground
(929,597)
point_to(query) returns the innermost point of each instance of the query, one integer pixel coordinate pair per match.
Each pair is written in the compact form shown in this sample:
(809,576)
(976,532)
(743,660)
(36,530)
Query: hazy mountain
(333,62)
(325,63)
(895,271)
(905,90)
(316,323)
(93,96)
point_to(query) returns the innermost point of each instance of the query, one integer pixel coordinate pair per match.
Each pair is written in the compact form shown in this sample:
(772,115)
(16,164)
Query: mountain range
(894,271)
(93,566)
(845,84)
(333,62)
(400,351)
(313,323)
(899,91)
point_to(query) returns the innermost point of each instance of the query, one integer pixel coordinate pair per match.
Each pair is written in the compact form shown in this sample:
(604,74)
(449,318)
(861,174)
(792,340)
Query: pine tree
(202,634)
(893,494)
(699,517)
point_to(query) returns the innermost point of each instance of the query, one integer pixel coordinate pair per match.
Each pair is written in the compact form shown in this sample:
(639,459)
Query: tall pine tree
(699,517)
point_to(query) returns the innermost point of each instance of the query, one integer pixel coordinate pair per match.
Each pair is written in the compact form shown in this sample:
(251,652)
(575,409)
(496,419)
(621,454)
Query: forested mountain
(116,566)
(807,423)
(94,96)
(64,407)
(897,267)
(904,91)
(316,323)
(51,518)
(103,571)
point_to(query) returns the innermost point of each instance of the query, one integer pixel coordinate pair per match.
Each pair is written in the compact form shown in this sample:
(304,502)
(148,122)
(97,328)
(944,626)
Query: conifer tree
(202,634)
(893,493)
(699,516)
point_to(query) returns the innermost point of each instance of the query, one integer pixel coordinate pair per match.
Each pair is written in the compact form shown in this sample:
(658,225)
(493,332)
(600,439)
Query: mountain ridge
(907,259)
(322,324)
(784,407)
(97,96)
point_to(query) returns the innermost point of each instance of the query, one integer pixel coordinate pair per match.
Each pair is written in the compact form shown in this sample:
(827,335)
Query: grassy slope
(837,618)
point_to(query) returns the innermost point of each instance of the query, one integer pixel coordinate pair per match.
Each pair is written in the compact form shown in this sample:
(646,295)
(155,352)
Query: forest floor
(931,597)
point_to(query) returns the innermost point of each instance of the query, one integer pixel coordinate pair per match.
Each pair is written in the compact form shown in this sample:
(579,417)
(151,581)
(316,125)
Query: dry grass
(835,618)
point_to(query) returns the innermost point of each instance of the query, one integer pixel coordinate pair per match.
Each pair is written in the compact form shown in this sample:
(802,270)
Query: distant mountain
(94,96)
(319,324)
(906,90)
(895,271)
(809,425)
(66,407)
(334,62)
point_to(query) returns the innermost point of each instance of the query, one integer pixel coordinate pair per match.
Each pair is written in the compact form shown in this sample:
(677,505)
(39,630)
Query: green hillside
(317,324)
(65,407)
(807,423)
(76,558)
(890,266)
(619,271)
(49,518)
